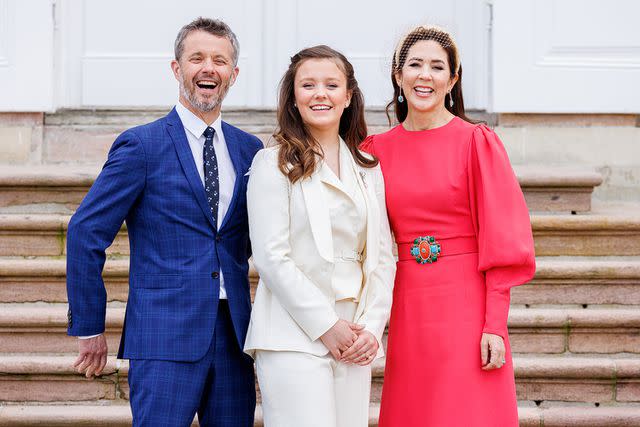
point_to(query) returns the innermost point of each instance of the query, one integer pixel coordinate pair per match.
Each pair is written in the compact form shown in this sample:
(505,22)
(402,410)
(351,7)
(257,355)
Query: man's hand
(92,356)
(492,351)
(340,337)
(363,350)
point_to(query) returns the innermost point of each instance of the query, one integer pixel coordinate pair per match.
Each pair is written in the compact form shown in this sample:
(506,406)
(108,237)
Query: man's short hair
(212,26)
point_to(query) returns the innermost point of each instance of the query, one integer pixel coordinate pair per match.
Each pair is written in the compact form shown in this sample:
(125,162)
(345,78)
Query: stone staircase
(575,329)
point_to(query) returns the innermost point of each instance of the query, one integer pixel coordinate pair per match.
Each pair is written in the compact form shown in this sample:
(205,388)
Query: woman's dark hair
(298,149)
(444,39)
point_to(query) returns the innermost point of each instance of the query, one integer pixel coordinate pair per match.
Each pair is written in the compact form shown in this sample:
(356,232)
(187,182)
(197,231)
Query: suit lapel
(233,146)
(318,213)
(177,133)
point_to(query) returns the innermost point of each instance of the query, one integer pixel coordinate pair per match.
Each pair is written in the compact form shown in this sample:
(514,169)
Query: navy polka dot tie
(211,177)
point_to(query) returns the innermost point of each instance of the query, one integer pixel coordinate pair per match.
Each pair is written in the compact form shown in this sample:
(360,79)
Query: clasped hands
(350,343)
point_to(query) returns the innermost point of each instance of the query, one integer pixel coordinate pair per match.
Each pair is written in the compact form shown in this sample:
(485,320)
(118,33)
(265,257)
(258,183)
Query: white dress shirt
(194,128)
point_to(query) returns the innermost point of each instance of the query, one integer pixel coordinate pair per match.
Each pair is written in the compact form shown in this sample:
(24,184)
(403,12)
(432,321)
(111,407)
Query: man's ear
(175,67)
(234,76)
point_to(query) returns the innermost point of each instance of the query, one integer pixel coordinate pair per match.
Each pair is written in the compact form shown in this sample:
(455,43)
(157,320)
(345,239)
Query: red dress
(454,183)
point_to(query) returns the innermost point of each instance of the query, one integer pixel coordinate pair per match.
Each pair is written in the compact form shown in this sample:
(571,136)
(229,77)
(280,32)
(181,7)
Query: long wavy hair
(299,150)
(444,39)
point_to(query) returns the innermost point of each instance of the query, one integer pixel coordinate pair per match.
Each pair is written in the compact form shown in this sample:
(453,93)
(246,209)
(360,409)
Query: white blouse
(348,212)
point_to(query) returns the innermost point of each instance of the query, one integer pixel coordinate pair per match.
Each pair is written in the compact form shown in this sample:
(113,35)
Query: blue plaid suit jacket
(151,182)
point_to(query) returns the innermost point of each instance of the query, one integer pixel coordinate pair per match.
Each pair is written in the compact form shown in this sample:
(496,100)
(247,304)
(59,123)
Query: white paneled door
(117,53)
(126,46)
(533,55)
(26,55)
(573,56)
(367,33)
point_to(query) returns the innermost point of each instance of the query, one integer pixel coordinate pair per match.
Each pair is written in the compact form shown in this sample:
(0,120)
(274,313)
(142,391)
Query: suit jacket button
(218,238)
(215,274)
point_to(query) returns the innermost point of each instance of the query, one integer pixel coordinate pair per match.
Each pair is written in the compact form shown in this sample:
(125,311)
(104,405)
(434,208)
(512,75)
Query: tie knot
(209,132)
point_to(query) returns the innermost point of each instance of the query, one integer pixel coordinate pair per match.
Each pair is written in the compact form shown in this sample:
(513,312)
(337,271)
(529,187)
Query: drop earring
(451,99)
(400,97)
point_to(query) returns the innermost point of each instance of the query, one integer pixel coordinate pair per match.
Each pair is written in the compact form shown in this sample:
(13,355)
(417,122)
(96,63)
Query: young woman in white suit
(322,246)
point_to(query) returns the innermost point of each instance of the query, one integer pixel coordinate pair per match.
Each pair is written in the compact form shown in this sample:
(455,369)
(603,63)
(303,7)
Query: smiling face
(425,77)
(205,71)
(321,94)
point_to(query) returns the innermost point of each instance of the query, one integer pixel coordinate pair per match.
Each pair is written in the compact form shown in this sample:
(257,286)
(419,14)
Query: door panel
(579,56)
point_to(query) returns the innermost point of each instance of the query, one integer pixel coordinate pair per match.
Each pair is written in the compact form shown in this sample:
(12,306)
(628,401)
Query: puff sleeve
(503,229)
(367,145)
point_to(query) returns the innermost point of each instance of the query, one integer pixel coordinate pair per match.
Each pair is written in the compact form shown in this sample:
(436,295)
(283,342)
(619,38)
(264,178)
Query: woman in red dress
(464,239)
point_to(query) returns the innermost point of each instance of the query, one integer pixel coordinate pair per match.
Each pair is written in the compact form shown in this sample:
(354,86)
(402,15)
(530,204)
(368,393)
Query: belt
(349,256)
(427,249)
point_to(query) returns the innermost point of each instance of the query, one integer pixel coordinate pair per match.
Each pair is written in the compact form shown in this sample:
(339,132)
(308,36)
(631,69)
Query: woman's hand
(340,337)
(492,352)
(363,350)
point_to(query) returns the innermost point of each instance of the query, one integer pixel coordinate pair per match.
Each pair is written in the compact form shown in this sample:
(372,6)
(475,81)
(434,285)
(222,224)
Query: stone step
(59,189)
(608,232)
(558,280)
(611,229)
(596,329)
(593,379)
(563,415)
(582,280)
(44,279)
(43,235)
(557,188)
(597,379)
(41,328)
(49,378)
(71,414)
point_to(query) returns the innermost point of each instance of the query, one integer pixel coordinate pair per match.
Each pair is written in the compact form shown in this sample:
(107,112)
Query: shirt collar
(327,175)
(194,124)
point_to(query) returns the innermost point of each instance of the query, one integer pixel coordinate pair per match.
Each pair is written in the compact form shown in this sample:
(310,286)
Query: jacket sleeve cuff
(316,332)
(86,337)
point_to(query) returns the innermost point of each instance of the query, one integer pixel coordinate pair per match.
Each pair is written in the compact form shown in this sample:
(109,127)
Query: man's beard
(190,95)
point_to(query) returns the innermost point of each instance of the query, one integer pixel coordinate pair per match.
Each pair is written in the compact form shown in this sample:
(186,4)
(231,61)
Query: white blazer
(291,239)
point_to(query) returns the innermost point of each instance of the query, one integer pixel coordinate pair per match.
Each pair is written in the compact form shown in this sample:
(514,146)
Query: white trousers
(303,390)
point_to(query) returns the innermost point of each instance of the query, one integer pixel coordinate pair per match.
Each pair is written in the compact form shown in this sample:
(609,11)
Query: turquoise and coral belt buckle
(425,250)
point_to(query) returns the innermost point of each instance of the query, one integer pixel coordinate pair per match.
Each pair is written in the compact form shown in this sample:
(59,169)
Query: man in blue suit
(179,183)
